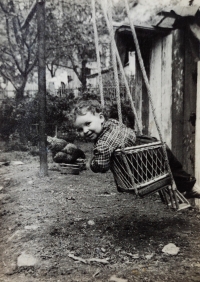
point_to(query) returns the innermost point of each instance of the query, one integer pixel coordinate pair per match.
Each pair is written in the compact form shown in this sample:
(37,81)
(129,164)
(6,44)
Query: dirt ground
(79,228)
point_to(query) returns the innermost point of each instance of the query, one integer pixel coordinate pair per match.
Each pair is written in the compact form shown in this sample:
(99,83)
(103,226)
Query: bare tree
(70,37)
(18,47)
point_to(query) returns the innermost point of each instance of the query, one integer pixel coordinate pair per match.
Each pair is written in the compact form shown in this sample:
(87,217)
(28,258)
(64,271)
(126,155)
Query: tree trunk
(19,95)
(83,75)
(42,88)
(20,91)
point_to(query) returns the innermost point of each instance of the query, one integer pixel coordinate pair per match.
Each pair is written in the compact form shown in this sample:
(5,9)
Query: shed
(170,50)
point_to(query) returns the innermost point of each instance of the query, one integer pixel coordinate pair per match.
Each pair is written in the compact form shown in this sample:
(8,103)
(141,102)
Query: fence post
(42,87)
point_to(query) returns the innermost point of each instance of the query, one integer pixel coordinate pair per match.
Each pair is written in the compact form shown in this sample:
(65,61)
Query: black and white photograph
(99,140)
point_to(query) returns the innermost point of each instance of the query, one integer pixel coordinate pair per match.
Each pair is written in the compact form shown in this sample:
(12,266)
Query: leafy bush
(23,118)
(19,122)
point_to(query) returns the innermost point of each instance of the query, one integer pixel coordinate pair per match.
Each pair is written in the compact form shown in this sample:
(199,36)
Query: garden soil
(79,228)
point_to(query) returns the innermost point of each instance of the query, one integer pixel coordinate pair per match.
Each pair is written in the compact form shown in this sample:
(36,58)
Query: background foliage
(20,120)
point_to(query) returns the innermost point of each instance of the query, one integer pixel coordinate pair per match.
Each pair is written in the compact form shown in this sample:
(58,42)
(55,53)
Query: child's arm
(101,159)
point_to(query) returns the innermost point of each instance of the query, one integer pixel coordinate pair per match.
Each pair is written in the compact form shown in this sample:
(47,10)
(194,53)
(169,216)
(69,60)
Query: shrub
(20,118)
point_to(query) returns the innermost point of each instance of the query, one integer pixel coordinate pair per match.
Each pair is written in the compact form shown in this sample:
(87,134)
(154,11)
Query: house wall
(173,74)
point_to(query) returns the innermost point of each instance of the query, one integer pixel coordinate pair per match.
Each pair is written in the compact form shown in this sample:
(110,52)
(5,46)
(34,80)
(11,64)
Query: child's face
(90,125)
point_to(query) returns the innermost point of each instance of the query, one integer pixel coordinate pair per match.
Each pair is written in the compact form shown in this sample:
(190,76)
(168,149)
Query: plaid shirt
(110,139)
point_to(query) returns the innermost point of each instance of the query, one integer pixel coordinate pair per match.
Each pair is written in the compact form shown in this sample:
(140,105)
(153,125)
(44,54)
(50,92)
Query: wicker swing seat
(142,170)
(147,166)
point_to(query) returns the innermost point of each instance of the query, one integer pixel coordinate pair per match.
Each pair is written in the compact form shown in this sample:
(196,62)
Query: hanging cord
(97,52)
(114,61)
(150,96)
(141,63)
(113,49)
(138,123)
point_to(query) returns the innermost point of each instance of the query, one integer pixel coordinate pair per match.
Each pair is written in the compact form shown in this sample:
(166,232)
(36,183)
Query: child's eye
(79,129)
(87,123)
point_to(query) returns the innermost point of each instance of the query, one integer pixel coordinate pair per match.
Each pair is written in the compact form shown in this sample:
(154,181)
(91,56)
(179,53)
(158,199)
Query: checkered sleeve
(111,139)
(101,158)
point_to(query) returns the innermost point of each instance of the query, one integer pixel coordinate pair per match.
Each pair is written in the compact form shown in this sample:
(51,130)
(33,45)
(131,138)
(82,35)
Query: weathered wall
(161,87)
(173,74)
(189,106)
(177,90)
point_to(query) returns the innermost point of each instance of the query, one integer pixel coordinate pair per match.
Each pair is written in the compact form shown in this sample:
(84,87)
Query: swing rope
(108,23)
(141,63)
(113,49)
(97,52)
(139,153)
(114,61)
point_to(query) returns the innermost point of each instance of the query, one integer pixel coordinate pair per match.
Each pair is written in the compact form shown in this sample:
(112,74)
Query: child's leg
(184,181)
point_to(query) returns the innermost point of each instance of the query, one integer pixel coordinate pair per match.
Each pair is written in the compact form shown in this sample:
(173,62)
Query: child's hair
(84,106)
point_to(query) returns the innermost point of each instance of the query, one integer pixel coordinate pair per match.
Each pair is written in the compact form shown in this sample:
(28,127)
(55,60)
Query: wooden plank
(146,47)
(145,109)
(190,90)
(177,92)
(197,135)
(166,90)
(138,91)
(155,85)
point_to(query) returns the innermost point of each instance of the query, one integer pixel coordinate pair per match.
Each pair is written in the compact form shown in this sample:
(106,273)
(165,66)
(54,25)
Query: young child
(109,135)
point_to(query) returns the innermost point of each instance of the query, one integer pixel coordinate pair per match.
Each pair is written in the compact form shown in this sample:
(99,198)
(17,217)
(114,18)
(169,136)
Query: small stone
(26,260)
(31,227)
(114,278)
(17,163)
(1,188)
(30,182)
(149,256)
(91,222)
(170,249)
(10,228)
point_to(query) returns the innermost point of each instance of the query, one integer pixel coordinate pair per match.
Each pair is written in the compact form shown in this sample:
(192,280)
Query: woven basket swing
(142,169)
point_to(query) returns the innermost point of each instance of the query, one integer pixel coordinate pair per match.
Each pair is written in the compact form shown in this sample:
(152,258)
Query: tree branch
(12,48)
(74,67)
(31,66)
(3,8)
(6,76)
